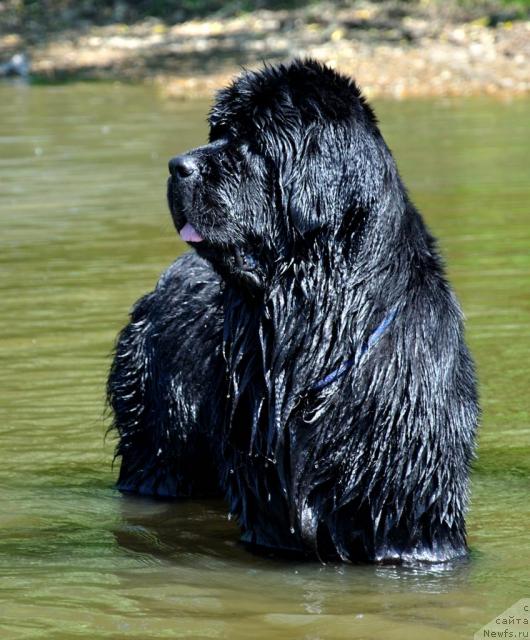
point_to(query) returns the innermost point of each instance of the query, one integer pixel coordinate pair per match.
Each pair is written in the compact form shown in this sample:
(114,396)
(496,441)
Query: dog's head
(294,157)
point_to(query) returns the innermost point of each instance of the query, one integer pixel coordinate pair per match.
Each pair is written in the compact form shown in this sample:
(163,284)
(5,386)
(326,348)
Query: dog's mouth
(233,261)
(188,233)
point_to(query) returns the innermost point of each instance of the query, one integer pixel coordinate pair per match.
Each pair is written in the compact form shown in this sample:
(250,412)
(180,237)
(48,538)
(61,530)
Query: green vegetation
(57,14)
(108,10)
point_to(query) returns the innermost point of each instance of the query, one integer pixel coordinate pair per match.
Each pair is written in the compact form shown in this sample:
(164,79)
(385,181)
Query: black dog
(308,359)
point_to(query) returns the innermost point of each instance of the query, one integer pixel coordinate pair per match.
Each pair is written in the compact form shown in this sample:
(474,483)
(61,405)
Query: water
(84,232)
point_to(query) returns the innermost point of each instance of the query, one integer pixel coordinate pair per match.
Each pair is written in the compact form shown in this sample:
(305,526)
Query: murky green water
(84,231)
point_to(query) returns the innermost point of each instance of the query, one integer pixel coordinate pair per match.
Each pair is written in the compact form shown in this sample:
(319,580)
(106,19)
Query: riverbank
(428,49)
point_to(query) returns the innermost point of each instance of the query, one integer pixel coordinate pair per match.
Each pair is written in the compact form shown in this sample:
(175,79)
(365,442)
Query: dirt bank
(423,51)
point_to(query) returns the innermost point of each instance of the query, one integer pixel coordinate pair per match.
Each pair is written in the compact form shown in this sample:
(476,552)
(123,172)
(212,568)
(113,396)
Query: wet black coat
(224,380)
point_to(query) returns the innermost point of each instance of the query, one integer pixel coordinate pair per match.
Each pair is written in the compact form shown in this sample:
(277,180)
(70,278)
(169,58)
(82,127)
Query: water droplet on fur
(229,516)
(316,465)
(269,497)
(291,529)
(231,471)
(159,452)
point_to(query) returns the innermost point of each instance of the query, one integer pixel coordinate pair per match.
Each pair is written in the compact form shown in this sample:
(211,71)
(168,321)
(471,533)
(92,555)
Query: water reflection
(159,531)
(175,530)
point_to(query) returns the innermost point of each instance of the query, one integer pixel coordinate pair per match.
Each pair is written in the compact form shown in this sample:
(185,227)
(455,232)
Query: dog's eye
(241,150)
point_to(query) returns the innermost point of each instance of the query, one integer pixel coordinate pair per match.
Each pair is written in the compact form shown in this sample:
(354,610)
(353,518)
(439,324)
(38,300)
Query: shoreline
(423,53)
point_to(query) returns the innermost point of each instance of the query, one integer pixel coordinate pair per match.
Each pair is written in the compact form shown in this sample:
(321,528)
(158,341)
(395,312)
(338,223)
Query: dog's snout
(182,166)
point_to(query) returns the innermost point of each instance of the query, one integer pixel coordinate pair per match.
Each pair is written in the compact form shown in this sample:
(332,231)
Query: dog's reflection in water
(164,529)
(197,539)
(168,529)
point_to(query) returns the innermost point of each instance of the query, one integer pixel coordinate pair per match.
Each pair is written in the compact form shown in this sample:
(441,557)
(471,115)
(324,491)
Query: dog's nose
(182,166)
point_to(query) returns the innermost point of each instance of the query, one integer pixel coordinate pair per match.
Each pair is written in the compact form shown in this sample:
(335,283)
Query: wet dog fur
(226,380)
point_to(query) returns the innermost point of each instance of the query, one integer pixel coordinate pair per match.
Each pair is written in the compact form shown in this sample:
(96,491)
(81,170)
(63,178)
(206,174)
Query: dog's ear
(304,216)
(300,221)
(311,224)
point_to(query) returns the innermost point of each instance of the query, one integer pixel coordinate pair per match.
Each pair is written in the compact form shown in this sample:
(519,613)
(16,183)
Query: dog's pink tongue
(189,234)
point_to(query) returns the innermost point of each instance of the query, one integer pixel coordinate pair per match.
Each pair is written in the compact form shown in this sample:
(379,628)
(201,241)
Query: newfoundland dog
(307,358)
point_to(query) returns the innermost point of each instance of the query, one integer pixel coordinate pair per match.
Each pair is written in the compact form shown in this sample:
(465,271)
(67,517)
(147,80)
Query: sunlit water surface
(84,232)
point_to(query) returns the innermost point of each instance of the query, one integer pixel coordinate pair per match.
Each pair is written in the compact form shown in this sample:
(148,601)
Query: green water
(84,231)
